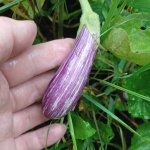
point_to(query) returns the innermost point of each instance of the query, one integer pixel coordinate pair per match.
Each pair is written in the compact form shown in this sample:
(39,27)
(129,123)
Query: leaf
(84,144)
(40,3)
(105,60)
(106,132)
(139,83)
(60,146)
(129,42)
(120,104)
(27,9)
(138,143)
(30,8)
(93,101)
(82,129)
(71,128)
(97,6)
(9,5)
(141,5)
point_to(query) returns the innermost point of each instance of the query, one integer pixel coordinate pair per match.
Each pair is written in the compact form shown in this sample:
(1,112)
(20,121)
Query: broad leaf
(97,6)
(82,129)
(139,83)
(143,142)
(129,42)
(140,5)
(106,132)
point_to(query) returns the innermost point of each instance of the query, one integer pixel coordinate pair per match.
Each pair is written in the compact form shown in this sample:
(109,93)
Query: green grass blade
(72,131)
(142,69)
(110,15)
(56,5)
(146,98)
(120,10)
(9,5)
(93,101)
(122,6)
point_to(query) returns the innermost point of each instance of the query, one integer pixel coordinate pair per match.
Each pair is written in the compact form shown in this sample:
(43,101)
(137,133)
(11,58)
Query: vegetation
(114,110)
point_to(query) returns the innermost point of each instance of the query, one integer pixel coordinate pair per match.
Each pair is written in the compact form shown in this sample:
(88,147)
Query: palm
(24,77)
(6,126)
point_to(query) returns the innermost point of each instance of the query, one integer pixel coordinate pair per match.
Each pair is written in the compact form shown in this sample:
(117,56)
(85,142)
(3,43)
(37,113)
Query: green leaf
(130,42)
(60,146)
(82,129)
(141,5)
(97,6)
(71,127)
(120,104)
(93,101)
(139,144)
(9,5)
(84,144)
(139,83)
(40,3)
(27,9)
(30,9)
(37,40)
(106,132)
(105,60)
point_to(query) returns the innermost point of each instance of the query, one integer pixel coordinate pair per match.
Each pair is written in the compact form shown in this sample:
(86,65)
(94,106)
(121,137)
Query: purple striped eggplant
(67,85)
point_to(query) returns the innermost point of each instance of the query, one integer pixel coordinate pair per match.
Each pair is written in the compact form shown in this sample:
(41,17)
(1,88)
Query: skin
(24,76)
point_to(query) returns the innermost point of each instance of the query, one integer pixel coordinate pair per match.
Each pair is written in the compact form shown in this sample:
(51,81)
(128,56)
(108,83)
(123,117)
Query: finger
(36,60)
(28,118)
(8,144)
(29,92)
(37,139)
(4,95)
(15,36)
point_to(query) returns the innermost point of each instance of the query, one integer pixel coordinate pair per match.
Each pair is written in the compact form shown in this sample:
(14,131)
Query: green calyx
(90,19)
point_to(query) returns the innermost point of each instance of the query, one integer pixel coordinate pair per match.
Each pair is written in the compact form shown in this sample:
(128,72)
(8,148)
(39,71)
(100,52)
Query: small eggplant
(67,85)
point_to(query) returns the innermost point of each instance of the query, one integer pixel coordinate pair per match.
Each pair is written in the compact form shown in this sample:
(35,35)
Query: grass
(9,5)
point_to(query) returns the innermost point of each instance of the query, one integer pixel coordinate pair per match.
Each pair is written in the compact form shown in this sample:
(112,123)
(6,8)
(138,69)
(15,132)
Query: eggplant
(67,85)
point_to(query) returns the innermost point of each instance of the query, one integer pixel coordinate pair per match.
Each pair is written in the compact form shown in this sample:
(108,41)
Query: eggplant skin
(67,85)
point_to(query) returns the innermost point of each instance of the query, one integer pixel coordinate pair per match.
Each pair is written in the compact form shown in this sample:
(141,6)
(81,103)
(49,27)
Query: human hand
(24,76)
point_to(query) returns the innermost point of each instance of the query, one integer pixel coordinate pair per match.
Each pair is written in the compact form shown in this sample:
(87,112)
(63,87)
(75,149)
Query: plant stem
(85,6)
(72,131)
(97,128)
(89,19)
(146,98)
(54,24)
(48,131)
(60,20)
(72,14)
(122,139)
(93,101)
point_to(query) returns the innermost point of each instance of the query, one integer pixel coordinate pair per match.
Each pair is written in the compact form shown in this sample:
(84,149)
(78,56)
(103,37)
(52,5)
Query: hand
(24,76)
